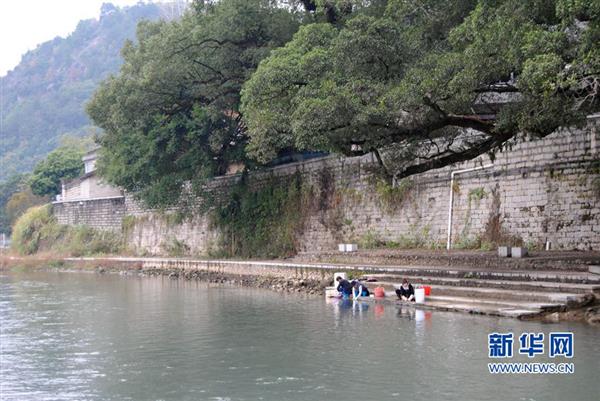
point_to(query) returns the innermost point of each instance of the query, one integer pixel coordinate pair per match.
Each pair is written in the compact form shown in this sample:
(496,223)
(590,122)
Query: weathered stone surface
(592,315)
(538,191)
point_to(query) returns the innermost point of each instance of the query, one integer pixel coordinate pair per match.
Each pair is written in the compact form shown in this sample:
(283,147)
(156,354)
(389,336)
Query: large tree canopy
(426,83)
(62,163)
(171,115)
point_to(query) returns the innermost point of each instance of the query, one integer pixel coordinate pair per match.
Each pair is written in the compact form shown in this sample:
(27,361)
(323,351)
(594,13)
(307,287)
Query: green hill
(43,97)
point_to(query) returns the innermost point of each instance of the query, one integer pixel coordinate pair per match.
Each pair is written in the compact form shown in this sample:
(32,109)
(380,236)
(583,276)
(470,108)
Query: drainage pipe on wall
(452,175)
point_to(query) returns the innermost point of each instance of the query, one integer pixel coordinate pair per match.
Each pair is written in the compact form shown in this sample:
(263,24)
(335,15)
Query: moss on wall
(265,222)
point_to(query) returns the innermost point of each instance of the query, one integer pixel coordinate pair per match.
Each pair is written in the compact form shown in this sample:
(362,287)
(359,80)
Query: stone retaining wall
(102,213)
(545,190)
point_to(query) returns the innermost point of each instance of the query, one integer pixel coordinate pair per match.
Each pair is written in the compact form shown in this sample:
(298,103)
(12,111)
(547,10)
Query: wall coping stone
(88,199)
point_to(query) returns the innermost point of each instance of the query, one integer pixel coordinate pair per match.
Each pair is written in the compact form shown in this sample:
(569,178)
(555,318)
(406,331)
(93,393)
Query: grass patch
(38,231)
(370,240)
(176,248)
(392,197)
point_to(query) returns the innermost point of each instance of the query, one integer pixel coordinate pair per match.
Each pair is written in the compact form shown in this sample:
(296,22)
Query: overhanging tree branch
(461,156)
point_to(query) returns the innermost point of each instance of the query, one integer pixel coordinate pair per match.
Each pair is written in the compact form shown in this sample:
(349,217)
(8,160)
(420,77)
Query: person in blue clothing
(359,289)
(344,287)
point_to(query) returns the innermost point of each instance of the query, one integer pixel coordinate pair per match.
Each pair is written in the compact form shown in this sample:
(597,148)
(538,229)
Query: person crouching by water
(406,292)
(359,290)
(344,287)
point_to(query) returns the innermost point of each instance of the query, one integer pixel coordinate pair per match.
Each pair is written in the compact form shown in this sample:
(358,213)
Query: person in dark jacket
(344,286)
(406,292)
(359,289)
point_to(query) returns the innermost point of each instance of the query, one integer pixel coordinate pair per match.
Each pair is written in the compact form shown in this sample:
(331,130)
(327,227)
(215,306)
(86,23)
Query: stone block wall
(105,213)
(538,191)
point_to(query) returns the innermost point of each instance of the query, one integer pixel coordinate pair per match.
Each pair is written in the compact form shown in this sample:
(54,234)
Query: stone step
(483,309)
(544,260)
(545,306)
(495,294)
(528,275)
(520,310)
(531,286)
(374,265)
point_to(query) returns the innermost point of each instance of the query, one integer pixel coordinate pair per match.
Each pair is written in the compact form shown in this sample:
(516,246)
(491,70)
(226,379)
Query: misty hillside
(43,97)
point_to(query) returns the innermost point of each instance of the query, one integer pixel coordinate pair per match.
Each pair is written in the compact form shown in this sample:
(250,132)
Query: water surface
(83,336)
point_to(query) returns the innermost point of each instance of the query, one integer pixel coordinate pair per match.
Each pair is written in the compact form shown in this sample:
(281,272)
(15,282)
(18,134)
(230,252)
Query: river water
(84,336)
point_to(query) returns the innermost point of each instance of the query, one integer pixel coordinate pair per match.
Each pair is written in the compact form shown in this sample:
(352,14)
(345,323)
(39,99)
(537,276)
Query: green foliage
(128,223)
(176,248)
(414,239)
(418,239)
(465,242)
(477,194)
(408,80)
(370,240)
(264,222)
(15,198)
(171,116)
(355,274)
(44,96)
(392,197)
(174,218)
(33,227)
(19,202)
(37,230)
(86,241)
(62,163)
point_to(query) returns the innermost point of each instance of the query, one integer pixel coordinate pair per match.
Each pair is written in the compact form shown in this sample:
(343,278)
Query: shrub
(84,241)
(369,240)
(34,226)
(263,222)
(392,197)
(37,230)
(176,247)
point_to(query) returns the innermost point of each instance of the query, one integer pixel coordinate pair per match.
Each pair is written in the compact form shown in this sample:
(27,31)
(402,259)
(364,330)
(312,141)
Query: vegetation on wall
(175,248)
(392,197)
(37,231)
(263,222)
(495,234)
(414,238)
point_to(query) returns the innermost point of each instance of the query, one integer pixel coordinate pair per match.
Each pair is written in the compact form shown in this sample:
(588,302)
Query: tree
(427,83)
(171,116)
(13,184)
(19,202)
(62,163)
(44,96)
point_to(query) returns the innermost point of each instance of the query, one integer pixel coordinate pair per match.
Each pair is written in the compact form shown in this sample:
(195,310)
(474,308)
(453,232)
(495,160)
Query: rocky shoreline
(280,277)
(279,284)
(589,313)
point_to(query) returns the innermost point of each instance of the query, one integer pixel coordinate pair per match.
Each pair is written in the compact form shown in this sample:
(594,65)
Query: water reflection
(88,337)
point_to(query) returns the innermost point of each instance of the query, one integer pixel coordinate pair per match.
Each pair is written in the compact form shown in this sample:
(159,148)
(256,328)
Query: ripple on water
(88,337)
